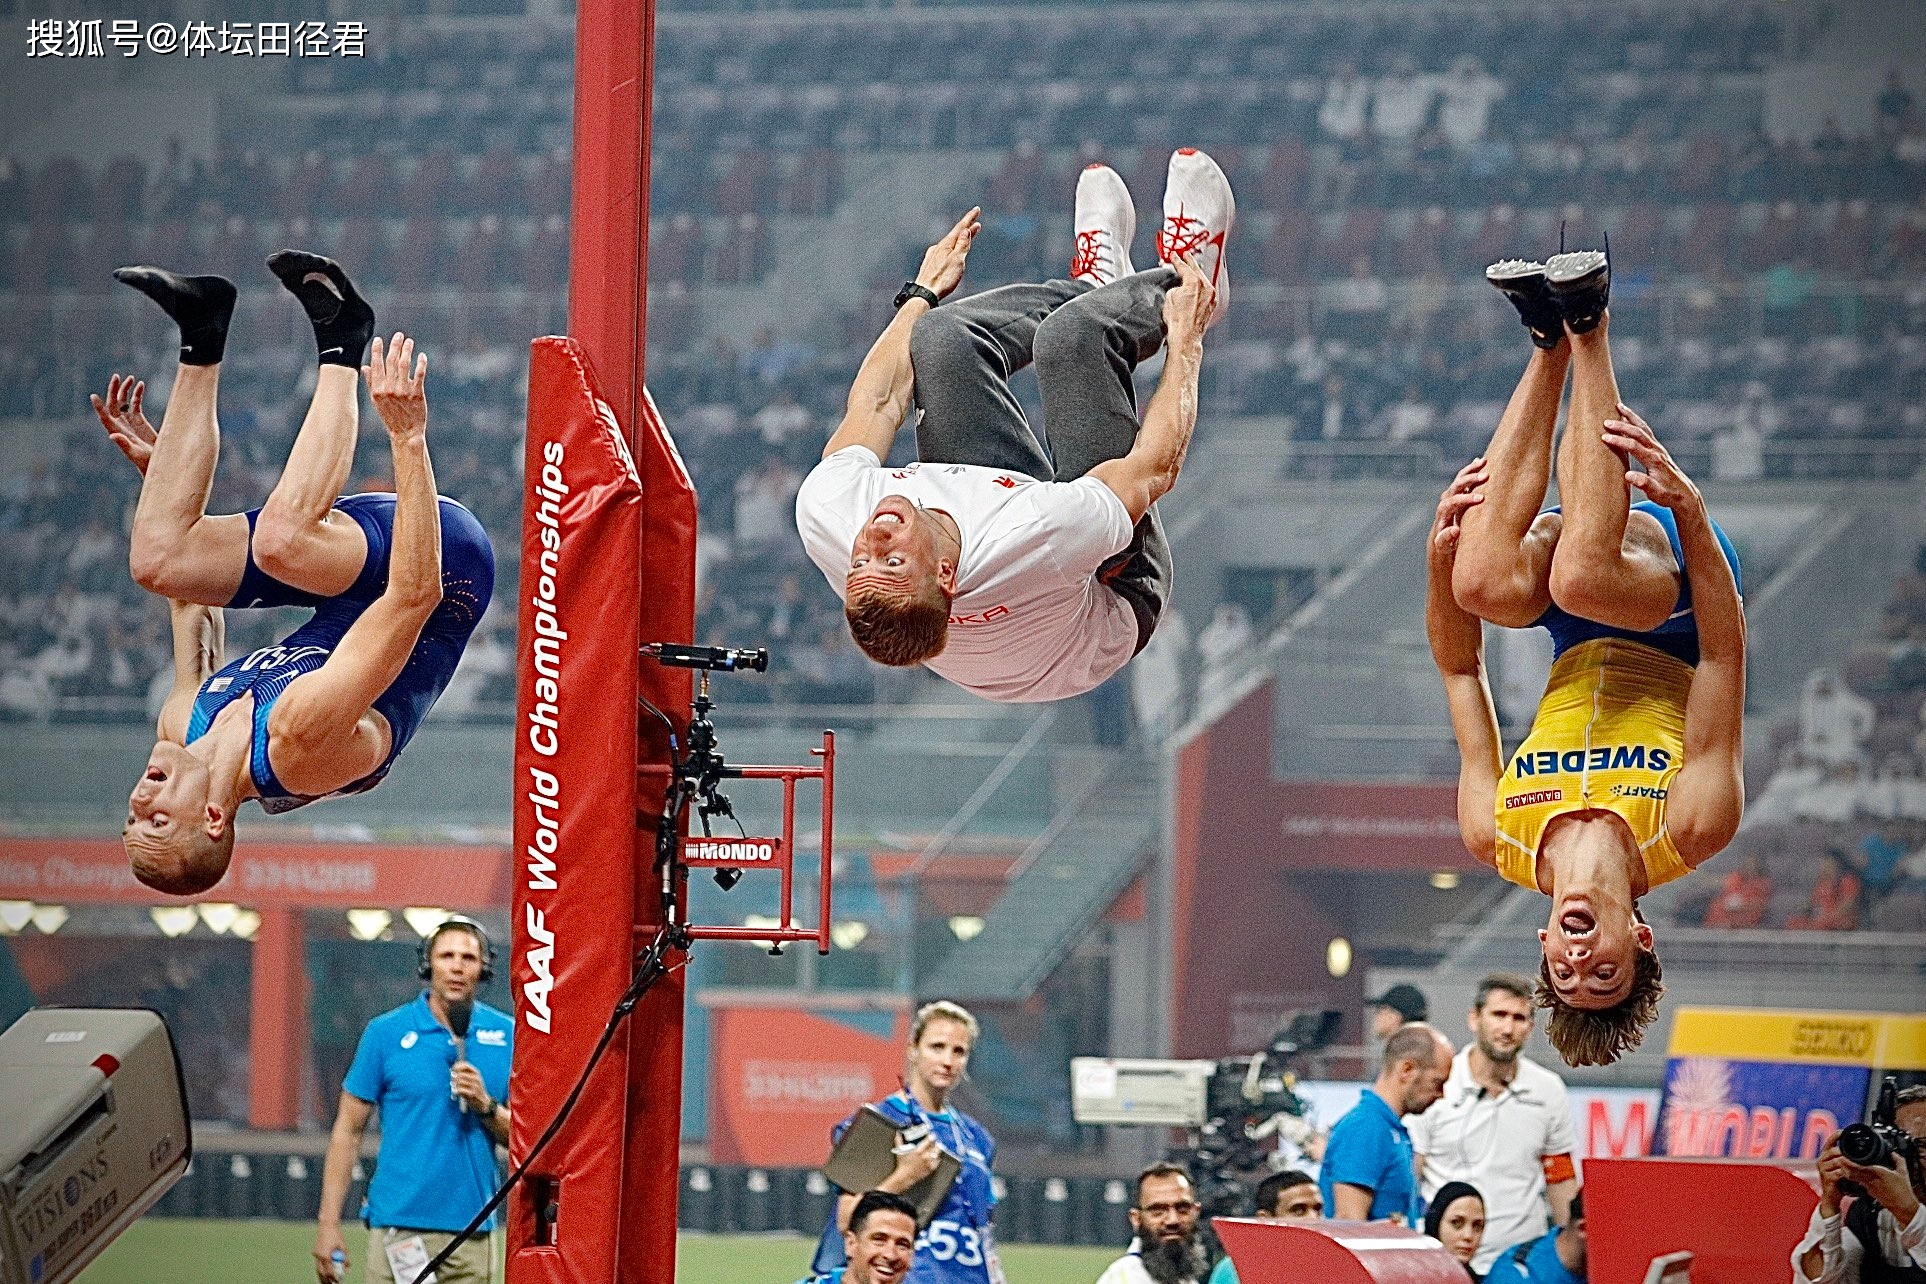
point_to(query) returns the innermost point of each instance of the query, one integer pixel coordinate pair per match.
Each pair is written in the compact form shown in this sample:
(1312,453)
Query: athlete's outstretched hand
(122,415)
(942,269)
(400,393)
(1663,481)
(1462,494)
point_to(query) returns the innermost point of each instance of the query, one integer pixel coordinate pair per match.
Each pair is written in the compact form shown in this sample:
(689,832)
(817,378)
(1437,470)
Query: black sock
(201,305)
(343,321)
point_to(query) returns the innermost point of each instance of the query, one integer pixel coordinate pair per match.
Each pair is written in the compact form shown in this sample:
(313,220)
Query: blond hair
(1600,1036)
(943,1010)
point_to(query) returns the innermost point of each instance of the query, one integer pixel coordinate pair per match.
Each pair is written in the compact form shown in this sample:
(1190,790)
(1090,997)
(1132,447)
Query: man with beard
(1503,1125)
(1169,1248)
(1370,1169)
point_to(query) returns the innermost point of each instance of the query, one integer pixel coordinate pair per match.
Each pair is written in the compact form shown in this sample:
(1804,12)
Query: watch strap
(911,290)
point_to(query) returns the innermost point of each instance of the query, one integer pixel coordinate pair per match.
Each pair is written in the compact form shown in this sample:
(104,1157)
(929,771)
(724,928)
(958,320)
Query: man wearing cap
(1400,1005)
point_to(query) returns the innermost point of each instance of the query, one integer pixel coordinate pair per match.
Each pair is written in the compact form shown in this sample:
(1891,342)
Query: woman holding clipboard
(955,1247)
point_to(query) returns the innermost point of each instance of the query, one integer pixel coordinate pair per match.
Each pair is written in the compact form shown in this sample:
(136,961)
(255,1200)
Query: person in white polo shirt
(1504,1124)
(1020,565)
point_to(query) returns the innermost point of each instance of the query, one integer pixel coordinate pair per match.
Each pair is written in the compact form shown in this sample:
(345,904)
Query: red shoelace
(1085,261)
(1183,235)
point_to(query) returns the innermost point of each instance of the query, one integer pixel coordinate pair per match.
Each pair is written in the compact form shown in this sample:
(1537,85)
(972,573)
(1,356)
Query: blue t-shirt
(1370,1148)
(956,1247)
(1223,1273)
(1541,1264)
(436,1166)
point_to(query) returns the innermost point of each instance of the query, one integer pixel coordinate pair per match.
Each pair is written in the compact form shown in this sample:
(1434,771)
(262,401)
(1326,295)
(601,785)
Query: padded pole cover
(574,813)
(1268,1252)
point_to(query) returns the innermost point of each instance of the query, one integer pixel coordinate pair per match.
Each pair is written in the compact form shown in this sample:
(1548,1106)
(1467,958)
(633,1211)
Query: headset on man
(452,923)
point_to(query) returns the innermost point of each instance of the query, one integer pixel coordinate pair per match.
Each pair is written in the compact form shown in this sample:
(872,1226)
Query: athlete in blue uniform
(397,581)
(957,1246)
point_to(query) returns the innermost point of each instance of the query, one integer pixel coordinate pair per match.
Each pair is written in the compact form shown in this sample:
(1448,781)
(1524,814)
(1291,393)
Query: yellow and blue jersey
(1609,736)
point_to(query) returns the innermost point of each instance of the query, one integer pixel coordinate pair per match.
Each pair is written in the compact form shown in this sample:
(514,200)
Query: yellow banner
(1876,1040)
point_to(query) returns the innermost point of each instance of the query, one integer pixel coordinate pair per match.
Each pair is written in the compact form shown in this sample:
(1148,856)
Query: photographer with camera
(1880,1236)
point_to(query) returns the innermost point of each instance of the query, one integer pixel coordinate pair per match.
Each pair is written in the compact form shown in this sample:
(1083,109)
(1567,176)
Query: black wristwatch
(911,290)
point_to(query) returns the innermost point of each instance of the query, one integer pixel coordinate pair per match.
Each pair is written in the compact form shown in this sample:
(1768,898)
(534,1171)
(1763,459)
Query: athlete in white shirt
(1018,572)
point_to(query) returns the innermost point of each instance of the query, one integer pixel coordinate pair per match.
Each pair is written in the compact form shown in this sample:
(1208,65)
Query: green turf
(161,1250)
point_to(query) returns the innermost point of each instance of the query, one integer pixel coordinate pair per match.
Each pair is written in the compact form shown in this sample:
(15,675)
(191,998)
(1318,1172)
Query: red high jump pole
(607,313)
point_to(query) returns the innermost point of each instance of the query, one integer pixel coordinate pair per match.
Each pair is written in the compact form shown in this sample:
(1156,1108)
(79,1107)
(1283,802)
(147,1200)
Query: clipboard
(865,1156)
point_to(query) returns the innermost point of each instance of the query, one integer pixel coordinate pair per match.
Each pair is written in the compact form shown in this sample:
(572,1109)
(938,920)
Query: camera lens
(1864,1145)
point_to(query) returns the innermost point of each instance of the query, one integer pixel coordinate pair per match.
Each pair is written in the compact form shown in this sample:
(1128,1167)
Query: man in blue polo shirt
(1556,1257)
(443,1109)
(1370,1171)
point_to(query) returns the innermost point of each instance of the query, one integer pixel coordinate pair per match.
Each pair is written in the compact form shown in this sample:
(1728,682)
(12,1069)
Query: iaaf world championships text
(92,37)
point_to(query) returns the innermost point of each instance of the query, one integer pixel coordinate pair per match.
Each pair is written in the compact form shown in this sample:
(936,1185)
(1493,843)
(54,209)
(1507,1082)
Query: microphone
(460,1012)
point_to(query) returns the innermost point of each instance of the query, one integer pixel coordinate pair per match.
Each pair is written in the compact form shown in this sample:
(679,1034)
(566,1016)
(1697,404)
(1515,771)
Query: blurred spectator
(1894,104)
(1833,721)
(1467,93)
(766,503)
(1221,648)
(1158,685)
(1743,897)
(1346,106)
(1835,897)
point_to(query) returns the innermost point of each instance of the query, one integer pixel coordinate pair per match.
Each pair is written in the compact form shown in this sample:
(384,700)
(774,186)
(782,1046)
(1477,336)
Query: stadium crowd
(1773,317)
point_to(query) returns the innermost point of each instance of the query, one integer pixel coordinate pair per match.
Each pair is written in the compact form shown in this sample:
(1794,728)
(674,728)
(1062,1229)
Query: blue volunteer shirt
(436,1165)
(1370,1148)
(957,1246)
(1539,1264)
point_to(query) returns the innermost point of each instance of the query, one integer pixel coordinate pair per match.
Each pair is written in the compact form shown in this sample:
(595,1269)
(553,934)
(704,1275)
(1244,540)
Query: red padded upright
(574,813)
(1738,1217)
(1267,1252)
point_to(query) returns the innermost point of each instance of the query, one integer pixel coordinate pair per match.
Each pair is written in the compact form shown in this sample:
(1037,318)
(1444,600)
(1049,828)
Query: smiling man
(880,1243)
(1020,570)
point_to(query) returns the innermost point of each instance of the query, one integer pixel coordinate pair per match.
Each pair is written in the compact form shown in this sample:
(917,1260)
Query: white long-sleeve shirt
(1842,1252)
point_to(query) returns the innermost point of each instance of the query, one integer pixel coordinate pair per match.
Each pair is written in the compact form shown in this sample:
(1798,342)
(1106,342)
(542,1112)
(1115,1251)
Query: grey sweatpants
(1085,342)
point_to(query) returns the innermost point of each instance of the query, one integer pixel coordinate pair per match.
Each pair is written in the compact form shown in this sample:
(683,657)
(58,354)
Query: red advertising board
(782,1077)
(273,875)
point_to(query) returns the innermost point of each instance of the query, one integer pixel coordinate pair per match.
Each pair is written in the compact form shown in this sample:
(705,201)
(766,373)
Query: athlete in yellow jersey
(1631,775)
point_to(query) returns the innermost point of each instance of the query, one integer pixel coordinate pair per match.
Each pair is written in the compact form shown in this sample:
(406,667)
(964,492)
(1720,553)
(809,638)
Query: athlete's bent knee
(1500,596)
(279,544)
(939,336)
(1065,337)
(1594,594)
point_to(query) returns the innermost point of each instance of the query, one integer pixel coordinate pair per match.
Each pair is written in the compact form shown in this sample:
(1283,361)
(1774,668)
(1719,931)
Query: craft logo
(1638,791)
(1534,798)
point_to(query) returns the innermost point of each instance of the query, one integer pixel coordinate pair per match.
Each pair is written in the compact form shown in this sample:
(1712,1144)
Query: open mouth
(1577,922)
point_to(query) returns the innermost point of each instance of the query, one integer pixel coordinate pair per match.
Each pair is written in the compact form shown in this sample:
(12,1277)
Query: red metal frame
(784,855)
